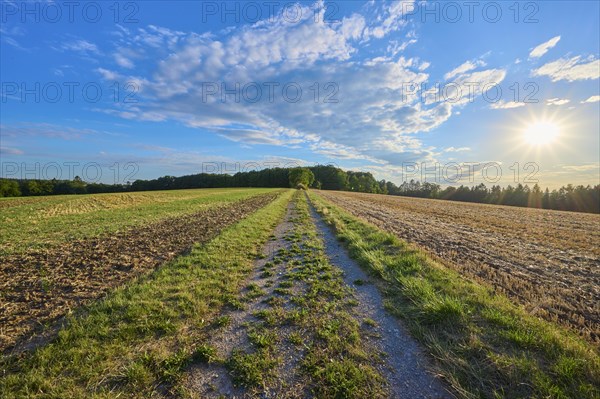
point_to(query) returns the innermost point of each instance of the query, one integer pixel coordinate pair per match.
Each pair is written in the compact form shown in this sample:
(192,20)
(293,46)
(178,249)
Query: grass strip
(485,345)
(138,340)
(338,361)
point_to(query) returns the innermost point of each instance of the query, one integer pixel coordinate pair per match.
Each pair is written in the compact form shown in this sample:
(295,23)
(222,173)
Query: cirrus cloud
(592,99)
(570,69)
(543,48)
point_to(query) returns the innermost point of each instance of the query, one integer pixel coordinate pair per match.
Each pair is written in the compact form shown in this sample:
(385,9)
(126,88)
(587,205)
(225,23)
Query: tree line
(327,177)
(567,198)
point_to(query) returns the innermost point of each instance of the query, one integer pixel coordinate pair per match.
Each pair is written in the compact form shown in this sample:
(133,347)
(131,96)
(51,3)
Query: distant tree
(78,186)
(32,187)
(535,197)
(363,182)
(546,199)
(478,193)
(301,176)
(430,190)
(392,189)
(9,188)
(383,187)
(353,183)
(448,193)
(330,177)
(495,195)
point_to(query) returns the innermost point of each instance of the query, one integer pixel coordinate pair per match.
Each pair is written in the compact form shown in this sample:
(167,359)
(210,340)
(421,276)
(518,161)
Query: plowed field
(43,284)
(548,261)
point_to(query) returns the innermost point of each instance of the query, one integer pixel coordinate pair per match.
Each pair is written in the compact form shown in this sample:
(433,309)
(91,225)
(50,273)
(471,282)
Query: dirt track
(39,287)
(402,363)
(547,260)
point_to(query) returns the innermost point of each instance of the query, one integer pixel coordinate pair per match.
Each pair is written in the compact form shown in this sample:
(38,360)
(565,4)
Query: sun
(541,133)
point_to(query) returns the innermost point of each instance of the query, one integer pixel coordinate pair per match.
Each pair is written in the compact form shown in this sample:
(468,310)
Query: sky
(446,92)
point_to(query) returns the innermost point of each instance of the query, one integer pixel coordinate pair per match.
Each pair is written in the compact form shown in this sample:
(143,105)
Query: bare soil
(39,287)
(547,260)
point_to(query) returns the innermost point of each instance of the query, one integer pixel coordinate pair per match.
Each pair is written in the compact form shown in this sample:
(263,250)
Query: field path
(273,343)
(406,364)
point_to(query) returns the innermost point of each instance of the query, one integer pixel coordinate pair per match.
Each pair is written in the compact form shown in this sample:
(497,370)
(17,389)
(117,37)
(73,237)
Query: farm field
(42,222)
(275,293)
(113,237)
(549,261)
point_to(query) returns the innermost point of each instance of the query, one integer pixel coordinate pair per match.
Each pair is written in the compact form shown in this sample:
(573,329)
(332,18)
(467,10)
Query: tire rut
(213,379)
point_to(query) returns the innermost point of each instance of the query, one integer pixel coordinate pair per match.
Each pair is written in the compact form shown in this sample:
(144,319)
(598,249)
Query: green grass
(261,337)
(251,369)
(51,220)
(222,321)
(205,354)
(144,334)
(296,338)
(484,345)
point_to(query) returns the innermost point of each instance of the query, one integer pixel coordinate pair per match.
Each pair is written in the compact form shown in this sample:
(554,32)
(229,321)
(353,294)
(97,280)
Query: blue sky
(463,89)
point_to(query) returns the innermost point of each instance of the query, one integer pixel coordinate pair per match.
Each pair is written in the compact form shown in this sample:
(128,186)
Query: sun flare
(541,133)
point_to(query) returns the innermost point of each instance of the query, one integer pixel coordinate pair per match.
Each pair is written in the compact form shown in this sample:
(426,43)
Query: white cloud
(506,104)
(123,61)
(463,68)
(557,101)
(13,31)
(391,19)
(583,167)
(250,136)
(491,76)
(395,47)
(7,35)
(369,119)
(592,99)
(543,48)
(45,130)
(455,149)
(466,87)
(189,161)
(123,58)
(570,69)
(13,42)
(107,74)
(81,46)
(156,37)
(353,26)
(10,151)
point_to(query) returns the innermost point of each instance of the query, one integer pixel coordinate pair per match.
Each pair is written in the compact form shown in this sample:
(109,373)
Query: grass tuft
(251,370)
